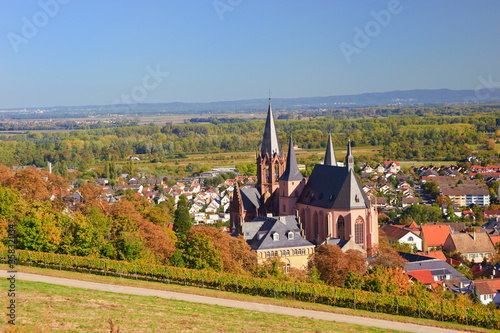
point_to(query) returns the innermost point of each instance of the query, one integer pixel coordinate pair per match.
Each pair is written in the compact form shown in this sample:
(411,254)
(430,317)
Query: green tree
(198,252)
(182,220)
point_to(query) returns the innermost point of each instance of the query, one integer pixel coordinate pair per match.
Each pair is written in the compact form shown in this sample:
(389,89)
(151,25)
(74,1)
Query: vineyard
(449,311)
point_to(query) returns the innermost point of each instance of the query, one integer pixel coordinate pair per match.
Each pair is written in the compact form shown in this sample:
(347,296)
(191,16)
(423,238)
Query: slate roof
(270,142)
(259,233)
(251,198)
(435,234)
(435,266)
(292,172)
(333,187)
(494,223)
(330,153)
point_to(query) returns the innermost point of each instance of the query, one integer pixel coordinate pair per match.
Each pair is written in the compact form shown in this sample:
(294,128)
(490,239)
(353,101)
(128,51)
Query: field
(51,308)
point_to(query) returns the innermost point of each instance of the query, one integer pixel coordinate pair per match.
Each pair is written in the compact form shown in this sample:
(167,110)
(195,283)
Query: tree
(198,252)
(182,220)
(385,256)
(333,265)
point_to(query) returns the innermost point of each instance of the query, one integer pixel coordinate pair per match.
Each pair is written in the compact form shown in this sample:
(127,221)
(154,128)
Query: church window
(341,227)
(284,208)
(359,231)
(276,236)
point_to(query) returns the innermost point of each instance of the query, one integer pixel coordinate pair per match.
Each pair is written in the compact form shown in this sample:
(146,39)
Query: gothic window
(359,231)
(341,227)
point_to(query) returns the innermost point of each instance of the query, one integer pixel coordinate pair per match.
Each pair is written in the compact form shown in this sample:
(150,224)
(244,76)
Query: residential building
(473,246)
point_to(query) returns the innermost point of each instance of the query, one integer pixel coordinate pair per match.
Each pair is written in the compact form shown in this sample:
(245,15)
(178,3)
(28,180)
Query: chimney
(474,235)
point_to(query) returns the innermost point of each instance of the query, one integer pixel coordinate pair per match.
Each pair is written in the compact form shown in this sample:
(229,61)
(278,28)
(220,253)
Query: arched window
(315,225)
(276,236)
(341,227)
(267,254)
(410,239)
(359,231)
(290,235)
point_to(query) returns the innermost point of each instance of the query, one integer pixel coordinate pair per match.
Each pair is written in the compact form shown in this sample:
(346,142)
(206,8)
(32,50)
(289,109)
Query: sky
(91,52)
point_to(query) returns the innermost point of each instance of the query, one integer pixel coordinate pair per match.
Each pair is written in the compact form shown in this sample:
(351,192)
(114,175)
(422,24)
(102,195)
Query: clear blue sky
(93,51)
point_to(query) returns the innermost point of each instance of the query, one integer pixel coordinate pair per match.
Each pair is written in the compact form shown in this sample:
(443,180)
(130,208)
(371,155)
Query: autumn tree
(385,256)
(235,253)
(333,265)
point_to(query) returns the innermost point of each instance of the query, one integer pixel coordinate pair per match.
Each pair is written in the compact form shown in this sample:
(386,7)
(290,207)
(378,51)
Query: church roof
(333,187)
(260,233)
(292,172)
(349,155)
(270,143)
(330,153)
(250,198)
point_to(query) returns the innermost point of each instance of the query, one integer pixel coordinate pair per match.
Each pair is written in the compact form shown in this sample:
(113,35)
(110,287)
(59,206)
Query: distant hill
(391,98)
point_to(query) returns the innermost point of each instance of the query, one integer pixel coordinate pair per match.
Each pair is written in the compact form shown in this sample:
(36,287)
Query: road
(386,324)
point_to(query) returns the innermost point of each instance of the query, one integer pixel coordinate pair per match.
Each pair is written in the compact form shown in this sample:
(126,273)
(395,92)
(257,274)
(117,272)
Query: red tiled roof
(413,224)
(423,276)
(433,254)
(435,235)
(491,286)
(495,239)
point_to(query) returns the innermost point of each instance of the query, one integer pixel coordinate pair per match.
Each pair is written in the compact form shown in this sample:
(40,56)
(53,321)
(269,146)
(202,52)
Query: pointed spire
(349,159)
(330,153)
(292,172)
(270,143)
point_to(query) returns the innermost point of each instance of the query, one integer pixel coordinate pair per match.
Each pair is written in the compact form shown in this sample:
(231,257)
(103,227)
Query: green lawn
(50,308)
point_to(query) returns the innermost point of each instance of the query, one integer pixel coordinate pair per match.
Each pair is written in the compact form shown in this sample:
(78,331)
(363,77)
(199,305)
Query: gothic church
(329,204)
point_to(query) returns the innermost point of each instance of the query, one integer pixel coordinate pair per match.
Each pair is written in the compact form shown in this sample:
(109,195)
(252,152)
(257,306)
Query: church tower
(270,165)
(330,153)
(349,159)
(291,184)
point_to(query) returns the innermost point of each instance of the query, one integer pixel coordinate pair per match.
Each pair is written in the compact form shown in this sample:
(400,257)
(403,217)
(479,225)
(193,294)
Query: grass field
(51,308)
(398,320)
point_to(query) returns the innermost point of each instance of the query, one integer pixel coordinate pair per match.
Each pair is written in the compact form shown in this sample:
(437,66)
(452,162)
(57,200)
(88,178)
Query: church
(330,203)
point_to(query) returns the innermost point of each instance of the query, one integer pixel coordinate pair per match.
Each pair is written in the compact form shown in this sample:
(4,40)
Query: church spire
(270,143)
(292,172)
(349,159)
(330,153)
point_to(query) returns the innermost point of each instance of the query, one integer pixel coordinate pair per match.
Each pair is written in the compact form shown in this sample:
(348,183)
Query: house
(280,237)
(434,236)
(433,254)
(492,226)
(425,277)
(488,214)
(402,235)
(392,167)
(405,202)
(487,290)
(439,269)
(473,246)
